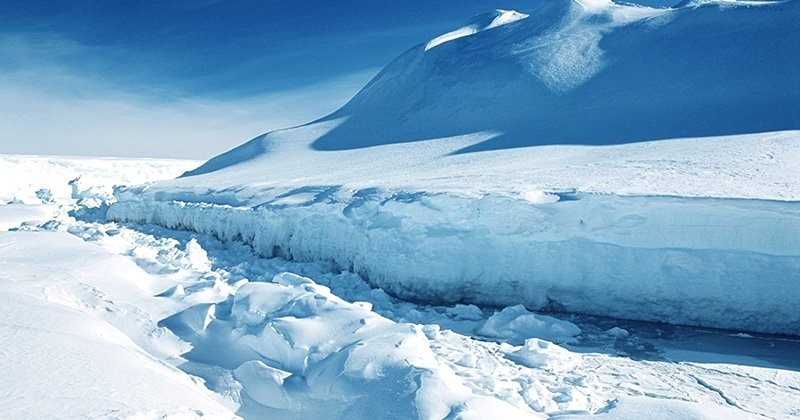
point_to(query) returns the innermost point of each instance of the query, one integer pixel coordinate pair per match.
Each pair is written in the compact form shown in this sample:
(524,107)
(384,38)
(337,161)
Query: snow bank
(297,347)
(78,338)
(710,262)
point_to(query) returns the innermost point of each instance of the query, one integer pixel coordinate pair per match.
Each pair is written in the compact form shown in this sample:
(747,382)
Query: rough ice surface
(710,262)
(321,351)
(515,324)
(536,353)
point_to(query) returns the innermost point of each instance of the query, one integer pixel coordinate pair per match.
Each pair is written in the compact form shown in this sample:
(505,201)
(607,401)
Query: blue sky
(194,78)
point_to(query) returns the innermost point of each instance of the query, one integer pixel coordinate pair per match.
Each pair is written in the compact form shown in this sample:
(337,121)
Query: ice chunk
(263,383)
(536,353)
(515,324)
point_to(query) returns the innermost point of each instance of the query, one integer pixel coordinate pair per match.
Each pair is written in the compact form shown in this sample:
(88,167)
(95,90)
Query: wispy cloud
(54,103)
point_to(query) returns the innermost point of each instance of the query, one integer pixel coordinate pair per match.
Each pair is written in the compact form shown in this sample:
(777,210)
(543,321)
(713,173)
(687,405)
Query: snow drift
(567,206)
(300,348)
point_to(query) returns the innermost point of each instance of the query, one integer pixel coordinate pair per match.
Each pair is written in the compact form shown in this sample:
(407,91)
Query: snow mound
(536,353)
(294,346)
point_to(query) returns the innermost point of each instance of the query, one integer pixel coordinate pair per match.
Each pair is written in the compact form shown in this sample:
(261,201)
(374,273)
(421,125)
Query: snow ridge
(479,23)
(708,262)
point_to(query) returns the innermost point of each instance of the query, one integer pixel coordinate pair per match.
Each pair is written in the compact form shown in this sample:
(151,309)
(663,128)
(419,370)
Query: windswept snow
(590,73)
(78,341)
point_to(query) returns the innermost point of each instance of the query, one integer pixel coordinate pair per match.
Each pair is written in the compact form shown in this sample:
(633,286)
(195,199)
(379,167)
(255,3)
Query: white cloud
(48,107)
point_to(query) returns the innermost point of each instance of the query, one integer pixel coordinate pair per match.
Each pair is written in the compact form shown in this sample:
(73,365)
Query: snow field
(29,179)
(586,72)
(278,328)
(698,231)
(536,376)
(79,341)
(270,343)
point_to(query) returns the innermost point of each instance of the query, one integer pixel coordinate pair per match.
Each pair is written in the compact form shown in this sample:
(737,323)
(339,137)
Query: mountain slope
(589,72)
(582,72)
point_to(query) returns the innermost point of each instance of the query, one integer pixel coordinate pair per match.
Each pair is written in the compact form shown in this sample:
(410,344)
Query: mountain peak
(482,22)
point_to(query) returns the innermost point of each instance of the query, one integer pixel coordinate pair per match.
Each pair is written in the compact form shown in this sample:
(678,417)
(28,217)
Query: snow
(641,408)
(27,177)
(586,73)
(536,353)
(630,171)
(515,324)
(17,214)
(716,262)
(465,173)
(479,23)
(67,341)
(323,343)
(326,357)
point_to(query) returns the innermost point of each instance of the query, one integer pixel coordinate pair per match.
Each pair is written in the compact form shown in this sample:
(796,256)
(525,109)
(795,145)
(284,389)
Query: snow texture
(326,357)
(77,343)
(588,72)
(96,328)
(584,157)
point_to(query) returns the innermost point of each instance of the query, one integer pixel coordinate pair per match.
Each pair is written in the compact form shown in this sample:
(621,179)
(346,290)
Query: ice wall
(722,263)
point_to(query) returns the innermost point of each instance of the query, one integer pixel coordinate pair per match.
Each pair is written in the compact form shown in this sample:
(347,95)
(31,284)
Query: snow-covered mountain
(514,160)
(586,72)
